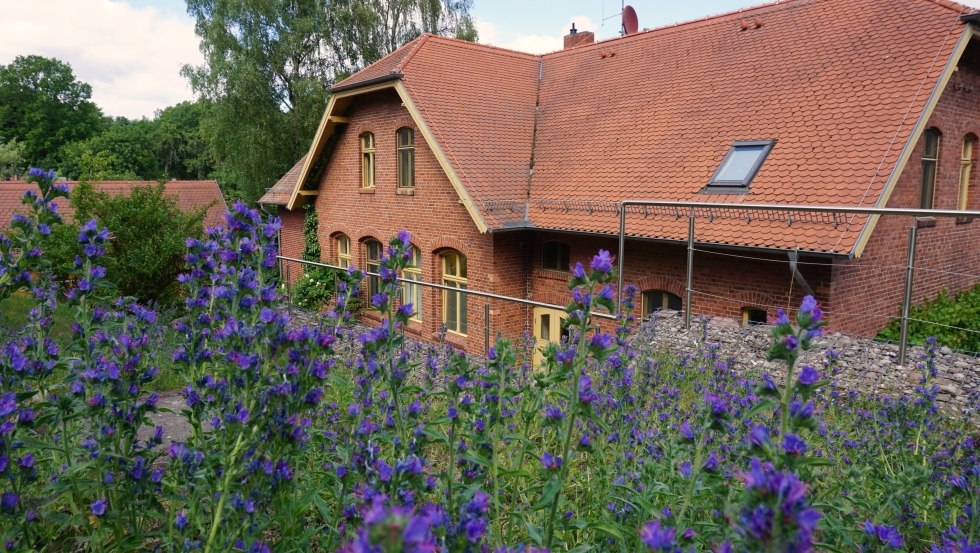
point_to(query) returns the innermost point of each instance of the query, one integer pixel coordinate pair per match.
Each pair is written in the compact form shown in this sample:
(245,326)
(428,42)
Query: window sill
(925,222)
(554,274)
(964,220)
(405,191)
(367,190)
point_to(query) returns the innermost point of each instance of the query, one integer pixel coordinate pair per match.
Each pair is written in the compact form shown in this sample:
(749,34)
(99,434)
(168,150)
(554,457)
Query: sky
(131,51)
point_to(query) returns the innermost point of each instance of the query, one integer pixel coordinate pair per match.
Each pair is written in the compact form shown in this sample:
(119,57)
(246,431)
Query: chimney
(574,38)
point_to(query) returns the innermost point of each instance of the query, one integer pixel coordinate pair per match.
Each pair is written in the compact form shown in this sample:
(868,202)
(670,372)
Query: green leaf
(608,529)
(551,488)
(757,408)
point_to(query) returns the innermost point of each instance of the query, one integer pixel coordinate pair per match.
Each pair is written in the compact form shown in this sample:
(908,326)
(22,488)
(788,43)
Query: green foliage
(268,64)
(319,284)
(181,145)
(365,31)
(125,151)
(11,155)
(961,310)
(148,231)
(45,108)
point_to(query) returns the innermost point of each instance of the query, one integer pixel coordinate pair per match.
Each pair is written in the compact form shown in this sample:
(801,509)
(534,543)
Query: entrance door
(547,329)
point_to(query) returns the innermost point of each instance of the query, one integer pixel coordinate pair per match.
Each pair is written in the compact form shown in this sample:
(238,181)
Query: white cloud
(131,56)
(532,43)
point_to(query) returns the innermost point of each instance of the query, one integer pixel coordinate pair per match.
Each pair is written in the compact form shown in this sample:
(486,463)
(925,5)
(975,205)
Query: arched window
(930,164)
(412,293)
(343,250)
(754,316)
(372,249)
(555,256)
(367,160)
(656,300)
(406,158)
(454,303)
(966,172)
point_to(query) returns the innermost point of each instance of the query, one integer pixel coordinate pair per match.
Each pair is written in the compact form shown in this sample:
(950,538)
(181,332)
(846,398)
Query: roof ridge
(690,22)
(468,43)
(955,6)
(421,39)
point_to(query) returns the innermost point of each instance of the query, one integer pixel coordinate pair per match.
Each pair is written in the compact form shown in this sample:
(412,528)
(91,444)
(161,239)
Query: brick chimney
(574,38)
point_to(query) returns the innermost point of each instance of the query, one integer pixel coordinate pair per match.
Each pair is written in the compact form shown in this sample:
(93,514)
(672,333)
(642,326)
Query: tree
(182,148)
(366,30)
(268,65)
(44,107)
(125,150)
(11,154)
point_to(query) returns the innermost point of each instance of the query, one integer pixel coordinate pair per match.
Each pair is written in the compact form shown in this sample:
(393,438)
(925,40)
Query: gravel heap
(865,365)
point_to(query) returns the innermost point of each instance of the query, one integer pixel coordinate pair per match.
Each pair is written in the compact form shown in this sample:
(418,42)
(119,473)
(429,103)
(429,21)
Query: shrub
(148,231)
(957,318)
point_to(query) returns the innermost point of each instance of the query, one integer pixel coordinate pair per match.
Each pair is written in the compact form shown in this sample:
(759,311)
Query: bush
(148,232)
(960,310)
(317,287)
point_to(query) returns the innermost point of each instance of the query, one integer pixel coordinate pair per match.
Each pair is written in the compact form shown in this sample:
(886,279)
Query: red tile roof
(839,84)
(189,195)
(280,192)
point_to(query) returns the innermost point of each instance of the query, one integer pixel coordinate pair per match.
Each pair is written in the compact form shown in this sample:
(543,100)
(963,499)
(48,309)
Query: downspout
(794,256)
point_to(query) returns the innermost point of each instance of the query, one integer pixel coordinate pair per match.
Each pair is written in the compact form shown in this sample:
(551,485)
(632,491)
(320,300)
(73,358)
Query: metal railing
(692,207)
(467,291)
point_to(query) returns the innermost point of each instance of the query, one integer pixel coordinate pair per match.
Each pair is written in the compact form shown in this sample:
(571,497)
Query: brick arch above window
(658,282)
(440,244)
(758,300)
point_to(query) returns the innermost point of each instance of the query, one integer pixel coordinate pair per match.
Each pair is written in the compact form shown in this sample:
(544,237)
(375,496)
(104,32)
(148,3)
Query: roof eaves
(394,76)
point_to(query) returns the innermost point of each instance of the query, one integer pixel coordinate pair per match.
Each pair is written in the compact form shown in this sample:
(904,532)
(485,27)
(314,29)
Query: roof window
(741,164)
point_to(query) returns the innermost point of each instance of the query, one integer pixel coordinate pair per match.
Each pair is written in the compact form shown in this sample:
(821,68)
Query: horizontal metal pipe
(809,208)
(450,288)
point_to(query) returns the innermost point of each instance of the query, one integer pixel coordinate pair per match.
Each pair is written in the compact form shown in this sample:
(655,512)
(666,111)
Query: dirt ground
(175,428)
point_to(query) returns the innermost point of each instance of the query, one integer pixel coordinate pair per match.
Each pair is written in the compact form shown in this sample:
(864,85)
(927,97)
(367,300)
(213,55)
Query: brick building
(507,166)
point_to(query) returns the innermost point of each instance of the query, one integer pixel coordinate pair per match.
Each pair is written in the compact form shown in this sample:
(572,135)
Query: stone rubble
(865,365)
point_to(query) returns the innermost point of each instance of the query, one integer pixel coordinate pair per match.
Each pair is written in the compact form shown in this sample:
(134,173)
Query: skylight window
(741,164)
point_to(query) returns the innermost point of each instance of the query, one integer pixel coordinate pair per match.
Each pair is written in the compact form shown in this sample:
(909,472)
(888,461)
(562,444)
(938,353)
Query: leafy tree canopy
(44,107)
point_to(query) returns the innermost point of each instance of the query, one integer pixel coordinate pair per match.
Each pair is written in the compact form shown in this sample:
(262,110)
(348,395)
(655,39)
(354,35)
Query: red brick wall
(868,291)
(291,242)
(433,214)
(723,284)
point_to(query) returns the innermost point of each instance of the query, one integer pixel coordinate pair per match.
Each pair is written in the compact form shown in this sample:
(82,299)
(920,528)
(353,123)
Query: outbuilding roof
(189,194)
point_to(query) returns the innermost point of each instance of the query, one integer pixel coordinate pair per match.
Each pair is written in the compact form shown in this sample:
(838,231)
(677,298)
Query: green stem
(695,471)
(226,483)
(579,366)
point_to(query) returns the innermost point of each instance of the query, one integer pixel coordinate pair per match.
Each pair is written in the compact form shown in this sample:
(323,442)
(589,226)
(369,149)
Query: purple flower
(602,262)
(550,462)
(793,445)
(657,537)
(404,237)
(809,376)
(578,271)
(181,520)
(585,393)
(9,502)
(98,507)
(475,529)
(887,535)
